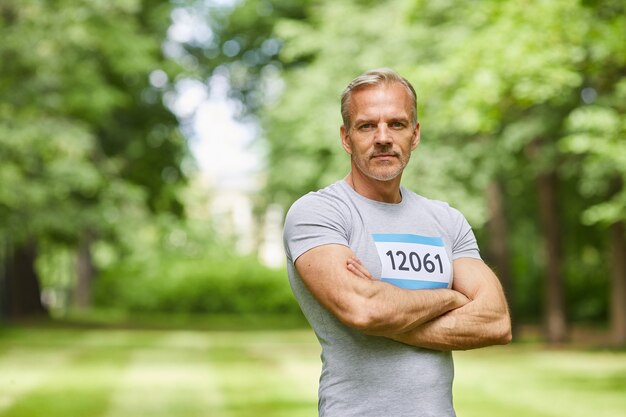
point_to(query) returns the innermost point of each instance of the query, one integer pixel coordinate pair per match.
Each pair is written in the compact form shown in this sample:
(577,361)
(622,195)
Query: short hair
(372,78)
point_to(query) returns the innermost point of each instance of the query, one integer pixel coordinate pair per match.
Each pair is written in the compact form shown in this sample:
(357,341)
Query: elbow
(504,338)
(359,319)
(499,329)
(360,310)
(362,316)
(496,332)
(504,334)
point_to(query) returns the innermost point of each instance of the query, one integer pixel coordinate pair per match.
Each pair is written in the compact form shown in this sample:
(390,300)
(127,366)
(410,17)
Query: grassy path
(132,373)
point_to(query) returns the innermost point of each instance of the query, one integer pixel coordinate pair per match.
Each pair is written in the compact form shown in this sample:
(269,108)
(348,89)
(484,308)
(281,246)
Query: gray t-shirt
(410,244)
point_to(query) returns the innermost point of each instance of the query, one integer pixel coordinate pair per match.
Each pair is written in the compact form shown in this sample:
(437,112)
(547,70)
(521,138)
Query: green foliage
(82,130)
(43,168)
(506,91)
(87,144)
(229,285)
(242,45)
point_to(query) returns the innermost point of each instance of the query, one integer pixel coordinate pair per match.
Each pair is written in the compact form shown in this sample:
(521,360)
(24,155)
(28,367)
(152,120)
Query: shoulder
(315,219)
(438,209)
(324,211)
(454,224)
(328,201)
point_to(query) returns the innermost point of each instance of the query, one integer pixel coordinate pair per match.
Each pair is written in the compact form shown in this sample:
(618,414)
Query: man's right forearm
(362,302)
(387,310)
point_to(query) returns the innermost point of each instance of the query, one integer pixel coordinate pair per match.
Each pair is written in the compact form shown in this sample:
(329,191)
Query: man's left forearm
(484,321)
(460,330)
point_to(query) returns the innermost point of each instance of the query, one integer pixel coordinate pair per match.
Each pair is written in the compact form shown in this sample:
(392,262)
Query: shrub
(225,286)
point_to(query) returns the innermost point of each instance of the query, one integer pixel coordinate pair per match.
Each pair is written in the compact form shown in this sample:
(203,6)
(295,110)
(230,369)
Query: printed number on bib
(413,261)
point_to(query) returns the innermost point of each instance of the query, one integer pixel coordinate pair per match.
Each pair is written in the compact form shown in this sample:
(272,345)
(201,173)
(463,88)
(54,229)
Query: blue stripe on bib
(410,284)
(402,238)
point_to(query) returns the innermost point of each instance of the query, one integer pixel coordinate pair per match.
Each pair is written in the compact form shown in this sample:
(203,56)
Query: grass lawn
(71,372)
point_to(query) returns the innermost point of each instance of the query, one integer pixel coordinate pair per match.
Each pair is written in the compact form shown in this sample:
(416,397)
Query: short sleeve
(464,242)
(314,220)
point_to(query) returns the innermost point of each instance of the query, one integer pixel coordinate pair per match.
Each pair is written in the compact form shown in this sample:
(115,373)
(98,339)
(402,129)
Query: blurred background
(150,149)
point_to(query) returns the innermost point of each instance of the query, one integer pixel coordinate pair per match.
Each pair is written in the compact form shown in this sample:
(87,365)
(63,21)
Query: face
(381,136)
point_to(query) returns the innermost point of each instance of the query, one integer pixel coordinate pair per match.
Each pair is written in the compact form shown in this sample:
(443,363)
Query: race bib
(413,261)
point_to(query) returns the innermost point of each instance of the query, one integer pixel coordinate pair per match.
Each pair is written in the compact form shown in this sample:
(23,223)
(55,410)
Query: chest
(409,251)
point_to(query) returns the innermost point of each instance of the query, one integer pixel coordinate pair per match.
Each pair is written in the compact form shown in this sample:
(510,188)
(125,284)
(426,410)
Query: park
(150,150)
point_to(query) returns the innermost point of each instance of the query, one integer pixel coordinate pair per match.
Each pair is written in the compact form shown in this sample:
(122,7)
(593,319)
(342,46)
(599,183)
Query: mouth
(384,156)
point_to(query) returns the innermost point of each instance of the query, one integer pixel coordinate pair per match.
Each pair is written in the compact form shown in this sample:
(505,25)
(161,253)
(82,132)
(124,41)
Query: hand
(356,267)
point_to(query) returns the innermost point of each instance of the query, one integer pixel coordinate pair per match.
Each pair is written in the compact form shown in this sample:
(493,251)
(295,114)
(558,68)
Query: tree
(595,138)
(83,129)
(243,45)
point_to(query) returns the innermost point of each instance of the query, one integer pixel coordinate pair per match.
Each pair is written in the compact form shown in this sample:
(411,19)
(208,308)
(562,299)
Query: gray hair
(373,78)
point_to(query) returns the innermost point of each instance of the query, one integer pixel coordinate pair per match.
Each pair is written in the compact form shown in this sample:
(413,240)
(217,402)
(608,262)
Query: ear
(345,139)
(416,136)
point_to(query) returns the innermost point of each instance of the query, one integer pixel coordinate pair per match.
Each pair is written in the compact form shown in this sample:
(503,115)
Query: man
(390,281)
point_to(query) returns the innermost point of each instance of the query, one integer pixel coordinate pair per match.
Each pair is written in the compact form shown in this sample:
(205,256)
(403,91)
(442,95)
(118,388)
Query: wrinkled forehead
(374,101)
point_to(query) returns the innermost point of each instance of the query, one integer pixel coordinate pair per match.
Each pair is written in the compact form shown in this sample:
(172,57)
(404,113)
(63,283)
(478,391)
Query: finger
(352,268)
(361,268)
(357,267)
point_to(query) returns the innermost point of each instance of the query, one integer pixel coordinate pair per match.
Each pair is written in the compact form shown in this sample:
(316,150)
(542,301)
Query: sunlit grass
(211,373)
(526,381)
(130,373)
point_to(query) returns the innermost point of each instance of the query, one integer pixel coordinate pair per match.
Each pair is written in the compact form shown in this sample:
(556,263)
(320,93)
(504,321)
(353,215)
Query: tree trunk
(85,272)
(22,284)
(498,241)
(4,295)
(618,284)
(554,300)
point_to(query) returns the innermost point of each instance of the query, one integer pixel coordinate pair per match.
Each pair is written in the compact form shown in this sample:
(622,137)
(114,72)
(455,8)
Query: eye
(366,126)
(397,125)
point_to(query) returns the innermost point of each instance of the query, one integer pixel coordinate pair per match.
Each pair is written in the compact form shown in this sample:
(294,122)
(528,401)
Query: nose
(383,135)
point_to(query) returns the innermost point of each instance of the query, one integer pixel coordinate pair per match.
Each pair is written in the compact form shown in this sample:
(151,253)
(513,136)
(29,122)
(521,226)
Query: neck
(383,191)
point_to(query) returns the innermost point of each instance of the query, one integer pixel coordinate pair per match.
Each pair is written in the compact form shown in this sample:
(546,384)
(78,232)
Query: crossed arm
(472,314)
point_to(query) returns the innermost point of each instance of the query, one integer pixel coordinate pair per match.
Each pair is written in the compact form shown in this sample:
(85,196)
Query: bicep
(474,279)
(324,272)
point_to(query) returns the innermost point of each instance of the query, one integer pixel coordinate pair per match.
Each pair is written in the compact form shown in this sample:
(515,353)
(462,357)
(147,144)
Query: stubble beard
(380,173)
